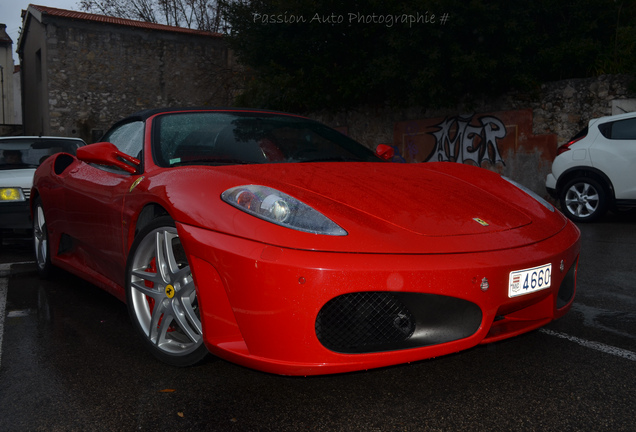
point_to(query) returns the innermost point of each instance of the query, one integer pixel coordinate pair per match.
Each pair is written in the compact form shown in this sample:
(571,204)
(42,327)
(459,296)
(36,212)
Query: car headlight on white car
(11,194)
(279,208)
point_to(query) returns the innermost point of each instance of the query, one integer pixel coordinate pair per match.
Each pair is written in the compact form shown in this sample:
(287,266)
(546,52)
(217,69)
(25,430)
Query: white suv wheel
(583,200)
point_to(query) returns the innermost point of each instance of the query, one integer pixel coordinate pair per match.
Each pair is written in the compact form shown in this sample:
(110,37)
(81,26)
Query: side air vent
(62,161)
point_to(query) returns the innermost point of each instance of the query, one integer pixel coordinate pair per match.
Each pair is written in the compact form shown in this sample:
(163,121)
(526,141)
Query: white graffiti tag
(458,140)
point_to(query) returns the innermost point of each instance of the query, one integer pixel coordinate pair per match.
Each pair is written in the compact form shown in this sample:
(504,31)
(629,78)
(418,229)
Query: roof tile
(63,13)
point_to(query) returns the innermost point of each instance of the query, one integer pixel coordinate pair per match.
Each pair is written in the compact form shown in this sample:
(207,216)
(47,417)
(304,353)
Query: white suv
(596,170)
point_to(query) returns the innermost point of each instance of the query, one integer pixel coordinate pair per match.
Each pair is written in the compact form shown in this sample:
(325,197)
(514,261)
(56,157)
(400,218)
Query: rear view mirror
(105,153)
(384,151)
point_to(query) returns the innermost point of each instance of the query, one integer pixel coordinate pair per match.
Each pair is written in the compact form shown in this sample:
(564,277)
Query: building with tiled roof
(84,16)
(81,71)
(9,85)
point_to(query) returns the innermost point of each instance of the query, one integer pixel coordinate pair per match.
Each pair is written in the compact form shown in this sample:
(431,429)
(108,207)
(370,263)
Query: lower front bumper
(263,306)
(15,215)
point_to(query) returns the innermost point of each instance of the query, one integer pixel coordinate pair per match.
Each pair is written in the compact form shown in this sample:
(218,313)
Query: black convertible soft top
(145,114)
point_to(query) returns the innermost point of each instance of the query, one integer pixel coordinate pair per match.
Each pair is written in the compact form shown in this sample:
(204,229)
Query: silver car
(19,157)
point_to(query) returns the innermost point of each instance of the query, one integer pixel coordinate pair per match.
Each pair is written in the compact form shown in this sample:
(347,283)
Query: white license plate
(527,281)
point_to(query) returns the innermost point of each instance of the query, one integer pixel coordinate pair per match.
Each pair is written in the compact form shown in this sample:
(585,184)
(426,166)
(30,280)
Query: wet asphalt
(71,362)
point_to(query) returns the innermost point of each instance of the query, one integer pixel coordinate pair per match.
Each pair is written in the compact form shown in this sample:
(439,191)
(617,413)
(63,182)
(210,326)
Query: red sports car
(275,242)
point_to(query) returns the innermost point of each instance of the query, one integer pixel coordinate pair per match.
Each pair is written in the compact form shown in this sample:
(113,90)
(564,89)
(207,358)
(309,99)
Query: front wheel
(583,200)
(41,240)
(161,296)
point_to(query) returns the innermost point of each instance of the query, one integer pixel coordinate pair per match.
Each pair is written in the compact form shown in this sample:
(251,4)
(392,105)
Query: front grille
(353,322)
(373,321)
(27,193)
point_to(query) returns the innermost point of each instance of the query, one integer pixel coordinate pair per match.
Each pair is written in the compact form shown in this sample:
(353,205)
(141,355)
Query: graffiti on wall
(492,140)
(503,141)
(468,139)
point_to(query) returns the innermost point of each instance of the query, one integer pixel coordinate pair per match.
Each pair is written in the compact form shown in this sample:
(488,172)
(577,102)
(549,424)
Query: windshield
(19,153)
(217,138)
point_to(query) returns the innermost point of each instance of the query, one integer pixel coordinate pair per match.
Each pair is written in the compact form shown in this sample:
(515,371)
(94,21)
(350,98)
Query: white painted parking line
(18,313)
(607,349)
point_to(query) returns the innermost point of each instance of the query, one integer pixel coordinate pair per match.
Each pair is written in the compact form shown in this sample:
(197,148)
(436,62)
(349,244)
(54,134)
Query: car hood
(22,178)
(384,207)
(421,201)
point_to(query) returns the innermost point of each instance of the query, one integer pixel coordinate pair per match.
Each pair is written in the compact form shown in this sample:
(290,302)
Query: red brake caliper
(152,268)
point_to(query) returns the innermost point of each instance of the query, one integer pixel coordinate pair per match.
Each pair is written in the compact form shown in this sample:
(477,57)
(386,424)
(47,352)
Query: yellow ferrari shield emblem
(480,221)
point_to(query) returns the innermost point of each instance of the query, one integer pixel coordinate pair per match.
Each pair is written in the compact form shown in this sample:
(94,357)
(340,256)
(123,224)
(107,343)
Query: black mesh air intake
(366,322)
(363,321)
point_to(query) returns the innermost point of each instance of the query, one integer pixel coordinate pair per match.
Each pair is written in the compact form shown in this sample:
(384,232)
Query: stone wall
(558,111)
(99,73)
(10,130)
(565,107)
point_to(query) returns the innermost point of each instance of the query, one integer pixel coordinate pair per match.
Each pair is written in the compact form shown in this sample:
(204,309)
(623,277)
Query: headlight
(279,208)
(531,193)
(11,194)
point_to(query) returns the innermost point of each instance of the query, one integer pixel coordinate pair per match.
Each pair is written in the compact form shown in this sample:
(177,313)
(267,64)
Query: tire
(161,295)
(583,199)
(41,245)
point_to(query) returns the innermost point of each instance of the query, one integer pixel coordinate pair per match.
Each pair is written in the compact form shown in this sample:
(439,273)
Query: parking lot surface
(71,361)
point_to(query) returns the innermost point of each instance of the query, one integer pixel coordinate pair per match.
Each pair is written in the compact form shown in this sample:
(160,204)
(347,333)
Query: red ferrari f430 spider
(277,243)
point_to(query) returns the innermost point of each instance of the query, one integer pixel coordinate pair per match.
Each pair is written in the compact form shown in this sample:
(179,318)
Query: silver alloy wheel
(40,237)
(582,200)
(163,294)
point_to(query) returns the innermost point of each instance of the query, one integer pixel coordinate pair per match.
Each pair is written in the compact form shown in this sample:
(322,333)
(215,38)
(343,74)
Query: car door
(94,196)
(614,153)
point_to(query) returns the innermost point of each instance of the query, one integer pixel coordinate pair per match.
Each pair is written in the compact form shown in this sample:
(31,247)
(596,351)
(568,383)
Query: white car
(19,157)
(596,170)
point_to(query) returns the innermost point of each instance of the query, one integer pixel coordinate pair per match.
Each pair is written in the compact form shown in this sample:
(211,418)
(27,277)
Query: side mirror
(384,151)
(105,153)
